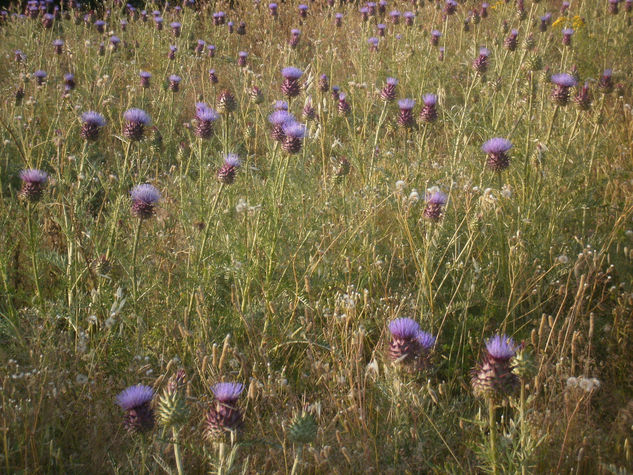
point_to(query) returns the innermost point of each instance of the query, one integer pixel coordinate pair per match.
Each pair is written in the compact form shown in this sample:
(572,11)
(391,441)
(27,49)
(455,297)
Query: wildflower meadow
(330,237)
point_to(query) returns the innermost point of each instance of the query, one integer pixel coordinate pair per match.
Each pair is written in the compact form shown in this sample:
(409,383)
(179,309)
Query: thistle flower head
(93,118)
(295,32)
(425,340)
(294,130)
(483,51)
(145,193)
(40,74)
(134,396)
(406,104)
(243,54)
(564,80)
(436,33)
(291,73)
(607,73)
(175,78)
(137,116)
(280,117)
(206,114)
(58,43)
(227,392)
(404,328)
(435,196)
(501,347)
(373,42)
(145,75)
(496,145)
(567,31)
(429,99)
(232,160)
(34,176)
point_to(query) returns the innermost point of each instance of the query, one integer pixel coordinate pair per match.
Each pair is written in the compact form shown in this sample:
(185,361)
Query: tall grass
(286,279)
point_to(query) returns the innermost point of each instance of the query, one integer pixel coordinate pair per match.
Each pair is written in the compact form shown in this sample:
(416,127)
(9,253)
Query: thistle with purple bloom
(294,38)
(226,173)
(91,124)
(395,16)
(343,106)
(145,79)
(435,37)
(497,150)
(324,83)
(480,65)
(158,23)
(241,59)
(144,199)
(567,34)
(69,82)
(373,44)
(40,76)
(510,42)
(428,113)
(176,28)
(388,92)
(278,119)
(135,122)
(205,118)
(435,201)
(405,118)
(223,415)
(583,98)
(338,20)
(100,26)
(136,402)
(212,76)
(563,82)
(605,83)
(290,86)
(493,377)
(211,50)
(58,46)
(33,182)
(294,134)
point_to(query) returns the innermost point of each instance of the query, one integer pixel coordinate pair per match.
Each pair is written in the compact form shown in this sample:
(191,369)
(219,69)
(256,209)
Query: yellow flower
(578,23)
(560,21)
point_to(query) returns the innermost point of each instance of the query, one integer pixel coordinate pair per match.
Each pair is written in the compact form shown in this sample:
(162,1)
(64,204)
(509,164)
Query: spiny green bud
(172,410)
(534,62)
(523,364)
(303,429)
(156,141)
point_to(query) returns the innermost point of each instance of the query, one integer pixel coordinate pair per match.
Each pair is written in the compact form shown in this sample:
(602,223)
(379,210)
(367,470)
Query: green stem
(33,253)
(492,422)
(551,124)
(134,270)
(177,451)
(295,465)
(523,427)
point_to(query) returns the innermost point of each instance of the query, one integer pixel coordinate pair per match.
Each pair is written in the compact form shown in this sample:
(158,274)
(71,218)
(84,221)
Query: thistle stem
(137,234)
(36,278)
(177,451)
(522,423)
(551,124)
(295,465)
(492,422)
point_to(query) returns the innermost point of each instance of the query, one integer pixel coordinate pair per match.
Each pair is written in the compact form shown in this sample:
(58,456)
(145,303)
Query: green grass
(300,271)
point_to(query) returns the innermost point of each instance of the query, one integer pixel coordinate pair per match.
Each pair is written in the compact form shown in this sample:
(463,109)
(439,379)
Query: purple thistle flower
(272,8)
(135,122)
(381,27)
(278,119)
(450,7)
(227,392)
(429,111)
(583,98)
(40,76)
(567,34)
(613,6)
(605,84)
(408,18)
(114,42)
(136,402)
(144,199)
(372,8)
(562,81)
(294,38)
(100,25)
(158,22)
(343,106)
(373,43)
(382,6)
(435,201)
(212,76)
(69,82)
(241,28)
(33,181)
(388,92)
(291,73)
(404,328)
(211,50)
(395,16)
(425,340)
(145,79)
(497,149)
(224,415)
(338,20)
(226,174)
(293,136)
(230,25)
(501,347)
(545,19)
(406,119)
(324,83)
(58,46)
(92,122)
(303,10)
(205,117)
(480,65)
(47,20)
(364,12)
(123,24)
(200,44)
(241,60)
(435,37)
(176,28)
(510,42)
(290,86)
(172,52)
